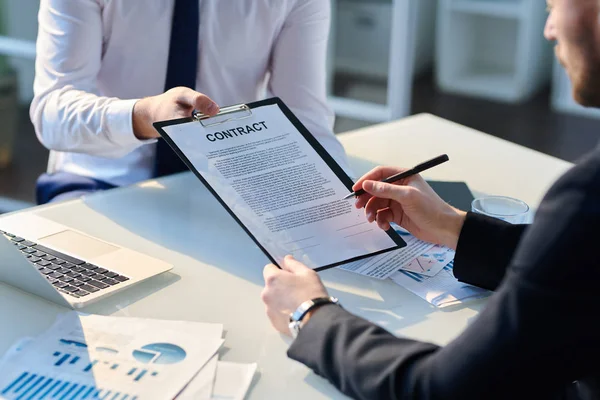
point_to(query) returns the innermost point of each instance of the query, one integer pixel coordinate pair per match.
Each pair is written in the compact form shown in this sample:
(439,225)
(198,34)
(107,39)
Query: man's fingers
(362,200)
(374,205)
(206,105)
(290,264)
(270,272)
(383,190)
(197,101)
(377,174)
(384,217)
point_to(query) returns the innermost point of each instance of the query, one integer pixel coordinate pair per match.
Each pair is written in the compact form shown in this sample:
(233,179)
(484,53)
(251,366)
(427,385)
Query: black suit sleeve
(535,336)
(485,248)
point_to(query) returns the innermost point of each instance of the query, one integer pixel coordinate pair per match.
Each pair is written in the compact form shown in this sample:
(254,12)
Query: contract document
(279,184)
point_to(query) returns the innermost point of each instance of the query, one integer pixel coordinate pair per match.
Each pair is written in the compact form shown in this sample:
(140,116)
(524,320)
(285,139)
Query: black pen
(402,175)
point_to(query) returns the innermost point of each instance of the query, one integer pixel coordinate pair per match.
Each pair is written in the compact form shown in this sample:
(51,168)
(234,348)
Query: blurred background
(481,63)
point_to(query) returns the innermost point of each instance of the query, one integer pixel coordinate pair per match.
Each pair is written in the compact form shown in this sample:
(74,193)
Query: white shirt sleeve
(298,72)
(67,113)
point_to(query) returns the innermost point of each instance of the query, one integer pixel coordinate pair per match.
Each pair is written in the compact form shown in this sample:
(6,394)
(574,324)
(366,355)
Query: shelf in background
(500,9)
(492,49)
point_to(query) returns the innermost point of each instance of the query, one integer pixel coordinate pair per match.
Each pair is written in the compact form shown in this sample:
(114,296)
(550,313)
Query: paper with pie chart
(159,353)
(90,357)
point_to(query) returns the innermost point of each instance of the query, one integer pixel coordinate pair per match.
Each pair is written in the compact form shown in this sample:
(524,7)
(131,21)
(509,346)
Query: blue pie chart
(159,353)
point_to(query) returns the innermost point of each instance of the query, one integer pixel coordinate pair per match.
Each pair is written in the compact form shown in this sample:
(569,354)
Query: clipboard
(244,111)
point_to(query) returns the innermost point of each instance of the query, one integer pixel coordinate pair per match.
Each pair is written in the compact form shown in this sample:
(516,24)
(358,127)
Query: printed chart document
(85,357)
(384,265)
(280,185)
(89,356)
(432,262)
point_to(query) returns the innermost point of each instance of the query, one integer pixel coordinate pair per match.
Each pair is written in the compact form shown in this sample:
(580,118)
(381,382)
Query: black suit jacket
(538,336)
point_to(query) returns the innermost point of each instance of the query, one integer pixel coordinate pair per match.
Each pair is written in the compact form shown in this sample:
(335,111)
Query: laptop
(66,266)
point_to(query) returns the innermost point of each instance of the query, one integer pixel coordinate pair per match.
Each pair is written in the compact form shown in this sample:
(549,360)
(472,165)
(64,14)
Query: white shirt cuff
(120,123)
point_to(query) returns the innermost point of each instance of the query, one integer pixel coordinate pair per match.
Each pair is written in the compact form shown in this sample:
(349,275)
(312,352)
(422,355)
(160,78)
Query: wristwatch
(297,316)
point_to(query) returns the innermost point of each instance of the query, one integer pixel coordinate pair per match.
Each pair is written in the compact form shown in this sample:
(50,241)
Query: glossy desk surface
(218,270)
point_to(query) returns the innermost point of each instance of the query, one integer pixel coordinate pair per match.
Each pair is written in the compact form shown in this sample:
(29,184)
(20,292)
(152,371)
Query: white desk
(218,270)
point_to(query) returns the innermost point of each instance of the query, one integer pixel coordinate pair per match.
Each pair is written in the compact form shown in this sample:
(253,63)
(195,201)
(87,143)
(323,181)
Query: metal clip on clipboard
(226,114)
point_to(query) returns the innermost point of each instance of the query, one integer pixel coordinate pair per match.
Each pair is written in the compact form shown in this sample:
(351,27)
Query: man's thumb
(198,101)
(387,190)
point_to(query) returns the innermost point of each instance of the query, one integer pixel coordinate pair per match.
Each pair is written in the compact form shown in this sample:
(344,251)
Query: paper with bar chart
(94,357)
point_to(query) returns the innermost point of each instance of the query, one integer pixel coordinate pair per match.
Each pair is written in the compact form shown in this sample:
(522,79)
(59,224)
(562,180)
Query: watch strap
(309,305)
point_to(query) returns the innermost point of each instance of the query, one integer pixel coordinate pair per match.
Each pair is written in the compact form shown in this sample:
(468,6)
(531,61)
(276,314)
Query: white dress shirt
(96,58)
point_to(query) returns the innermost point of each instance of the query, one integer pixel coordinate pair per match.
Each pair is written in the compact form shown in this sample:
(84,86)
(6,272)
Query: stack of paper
(90,356)
(423,268)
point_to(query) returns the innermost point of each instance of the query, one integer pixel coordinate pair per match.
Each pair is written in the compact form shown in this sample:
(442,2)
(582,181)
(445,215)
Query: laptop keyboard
(67,274)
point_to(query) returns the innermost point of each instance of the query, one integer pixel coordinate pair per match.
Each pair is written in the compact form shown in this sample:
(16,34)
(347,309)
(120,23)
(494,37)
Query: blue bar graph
(114,366)
(31,377)
(90,366)
(42,387)
(60,389)
(27,390)
(74,360)
(62,360)
(78,392)
(30,386)
(89,392)
(140,375)
(15,382)
(64,396)
(43,396)
(413,276)
(73,343)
